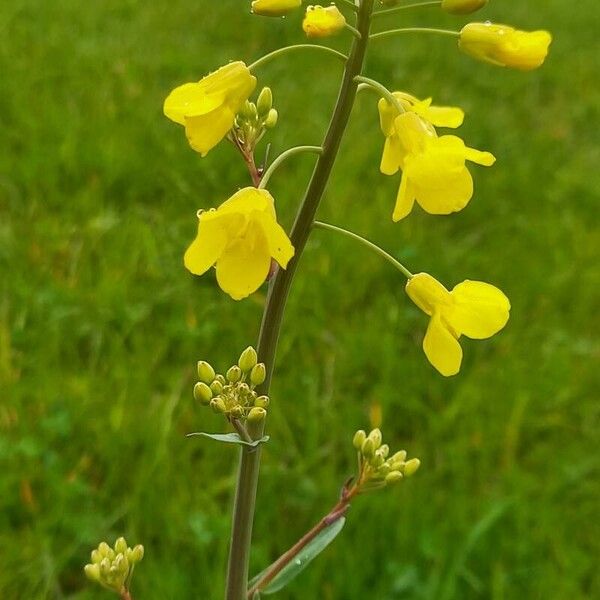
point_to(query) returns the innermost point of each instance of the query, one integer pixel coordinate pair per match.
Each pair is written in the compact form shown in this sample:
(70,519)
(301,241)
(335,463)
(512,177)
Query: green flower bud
(376,437)
(121,564)
(462,7)
(104,567)
(411,467)
(206,373)
(96,556)
(216,387)
(384,450)
(368,448)
(258,374)
(264,102)
(359,439)
(218,405)
(234,374)
(248,358)
(92,572)
(377,460)
(120,545)
(104,549)
(137,553)
(220,379)
(384,470)
(257,414)
(271,119)
(399,457)
(237,412)
(262,402)
(248,111)
(393,477)
(202,393)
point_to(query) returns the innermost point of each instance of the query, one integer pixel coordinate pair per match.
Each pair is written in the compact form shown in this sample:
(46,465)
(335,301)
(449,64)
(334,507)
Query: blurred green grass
(100,326)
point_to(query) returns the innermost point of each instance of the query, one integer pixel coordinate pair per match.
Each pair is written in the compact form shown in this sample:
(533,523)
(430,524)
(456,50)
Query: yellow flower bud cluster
(234,394)
(253,119)
(113,567)
(377,467)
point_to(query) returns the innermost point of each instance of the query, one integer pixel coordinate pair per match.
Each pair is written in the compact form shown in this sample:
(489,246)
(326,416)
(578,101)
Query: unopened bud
(234,374)
(384,450)
(218,405)
(462,7)
(216,387)
(202,393)
(96,556)
(237,412)
(264,102)
(399,456)
(121,563)
(92,572)
(393,477)
(104,566)
(248,358)
(206,373)
(220,379)
(359,439)
(248,111)
(104,549)
(368,448)
(257,414)
(120,545)
(376,437)
(137,553)
(377,460)
(262,401)
(271,119)
(258,374)
(411,467)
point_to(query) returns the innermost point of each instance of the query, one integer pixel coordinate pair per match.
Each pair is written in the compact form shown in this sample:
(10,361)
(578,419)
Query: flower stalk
(245,500)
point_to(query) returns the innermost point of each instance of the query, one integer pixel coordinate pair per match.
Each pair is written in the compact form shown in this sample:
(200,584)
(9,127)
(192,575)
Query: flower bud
(92,572)
(216,387)
(393,477)
(104,566)
(202,393)
(237,412)
(271,119)
(233,374)
(462,7)
(206,373)
(262,401)
(411,467)
(359,439)
(96,556)
(248,111)
(368,448)
(376,437)
(399,457)
(137,553)
(220,379)
(322,22)
(505,46)
(120,545)
(265,102)
(257,414)
(248,357)
(218,405)
(104,549)
(377,460)
(259,374)
(384,450)
(121,563)
(274,8)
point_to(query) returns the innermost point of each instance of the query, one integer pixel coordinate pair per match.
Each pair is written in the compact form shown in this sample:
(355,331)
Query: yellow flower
(505,46)
(462,7)
(241,237)
(274,8)
(208,108)
(475,309)
(434,172)
(323,22)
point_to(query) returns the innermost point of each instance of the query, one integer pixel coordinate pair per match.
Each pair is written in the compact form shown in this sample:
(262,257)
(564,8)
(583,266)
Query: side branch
(281,51)
(283,157)
(392,32)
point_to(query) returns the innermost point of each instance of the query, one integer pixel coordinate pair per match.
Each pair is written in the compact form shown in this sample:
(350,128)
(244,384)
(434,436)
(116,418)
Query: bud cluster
(234,394)
(377,467)
(253,119)
(113,567)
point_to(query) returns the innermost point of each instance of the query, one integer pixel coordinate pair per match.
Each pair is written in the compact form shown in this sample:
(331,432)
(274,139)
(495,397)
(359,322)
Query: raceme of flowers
(240,237)
(474,309)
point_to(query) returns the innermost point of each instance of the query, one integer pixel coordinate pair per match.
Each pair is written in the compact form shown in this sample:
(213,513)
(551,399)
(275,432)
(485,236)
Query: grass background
(100,326)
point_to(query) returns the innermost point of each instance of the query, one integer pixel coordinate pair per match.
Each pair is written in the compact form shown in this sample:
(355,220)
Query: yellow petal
(392,157)
(479,310)
(244,265)
(440,116)
(387,114)
(443,196)
(405,200)
(441,347)
(233,82)
(204,132)
(280,247)
(188,99)
(248,200)
(486,159)
(207,247)
(427,293)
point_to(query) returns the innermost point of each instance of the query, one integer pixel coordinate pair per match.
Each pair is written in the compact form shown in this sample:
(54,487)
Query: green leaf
(230,438)
(303,559)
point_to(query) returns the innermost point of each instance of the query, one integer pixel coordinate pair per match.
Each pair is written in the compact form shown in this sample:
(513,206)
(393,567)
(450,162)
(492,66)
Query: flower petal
(486,159)
(427,293)
(244,265)
(405,199)
(441,347)
(205,131)
(479,310)
(440,116)
(189,99)
(393,154)
(280,247)
(447,196)
(248,200)
(207,247)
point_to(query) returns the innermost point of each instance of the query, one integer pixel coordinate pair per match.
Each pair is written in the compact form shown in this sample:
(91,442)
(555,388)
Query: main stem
(245,499)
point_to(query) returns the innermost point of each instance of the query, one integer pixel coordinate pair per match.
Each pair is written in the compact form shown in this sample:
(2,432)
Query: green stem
(281,51)
(282,158)
(355,32)
(396,9)
(245,501)
(368,244)
(391,32)
(383,91)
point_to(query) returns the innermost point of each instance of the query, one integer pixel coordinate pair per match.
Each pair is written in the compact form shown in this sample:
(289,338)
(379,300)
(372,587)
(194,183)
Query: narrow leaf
(229,438)
(303,559)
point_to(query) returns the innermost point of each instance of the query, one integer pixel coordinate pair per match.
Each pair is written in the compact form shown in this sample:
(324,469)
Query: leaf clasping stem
(281,51)
(397,264)
(282,158)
